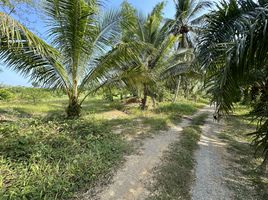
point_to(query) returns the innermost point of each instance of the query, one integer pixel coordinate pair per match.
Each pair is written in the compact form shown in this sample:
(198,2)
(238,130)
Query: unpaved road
(211,164)
(129,181)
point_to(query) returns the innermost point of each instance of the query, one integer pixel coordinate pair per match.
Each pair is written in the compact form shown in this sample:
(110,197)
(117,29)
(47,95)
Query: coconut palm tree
(153,36)
(80,55)
(233,53)
(183,67)
(188,20)
(186,24)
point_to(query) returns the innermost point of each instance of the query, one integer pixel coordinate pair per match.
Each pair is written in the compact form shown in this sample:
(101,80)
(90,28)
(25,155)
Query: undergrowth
(244,178)
(45,156)
(54,159)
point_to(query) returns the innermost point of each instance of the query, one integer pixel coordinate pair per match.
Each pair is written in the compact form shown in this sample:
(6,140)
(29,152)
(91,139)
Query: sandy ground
(211,165)
(128,183)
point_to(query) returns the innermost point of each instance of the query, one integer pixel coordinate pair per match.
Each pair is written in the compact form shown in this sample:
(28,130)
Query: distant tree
(5,94)
(188,20)
(187,23)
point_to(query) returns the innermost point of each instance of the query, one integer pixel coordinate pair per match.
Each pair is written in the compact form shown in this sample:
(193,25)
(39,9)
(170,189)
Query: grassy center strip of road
(173,178)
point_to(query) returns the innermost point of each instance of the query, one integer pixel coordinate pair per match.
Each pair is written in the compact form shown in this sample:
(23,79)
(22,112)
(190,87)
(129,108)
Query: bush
(5,94)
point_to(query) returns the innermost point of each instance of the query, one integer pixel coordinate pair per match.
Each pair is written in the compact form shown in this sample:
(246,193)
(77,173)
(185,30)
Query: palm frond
(24,52)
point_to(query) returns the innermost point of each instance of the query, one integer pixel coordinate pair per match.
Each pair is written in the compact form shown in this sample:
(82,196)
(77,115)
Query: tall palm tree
(80,53)
(188,20)
(187,23)
(233,52)
(155,45)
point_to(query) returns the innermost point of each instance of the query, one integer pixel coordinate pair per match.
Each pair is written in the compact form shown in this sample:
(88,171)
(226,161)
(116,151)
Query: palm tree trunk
(183,43)
(264,164)
(144,100)
(153,100)
(74,108)
(177,89)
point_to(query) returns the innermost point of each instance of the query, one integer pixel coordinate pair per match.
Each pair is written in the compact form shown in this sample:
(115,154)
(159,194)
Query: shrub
(5,94)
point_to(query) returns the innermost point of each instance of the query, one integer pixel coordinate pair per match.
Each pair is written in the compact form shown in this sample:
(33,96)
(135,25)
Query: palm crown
(233,52)
(187,22)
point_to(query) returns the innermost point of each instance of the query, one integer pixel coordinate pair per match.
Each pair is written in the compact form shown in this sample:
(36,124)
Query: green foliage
(183,67)
(177,108)
(82,37)
(53,159)
(243,164)
(200,119)
(175,111)
(156,123)
(149,37)
(188,20)
(5,94)
(43,156)
(30,95)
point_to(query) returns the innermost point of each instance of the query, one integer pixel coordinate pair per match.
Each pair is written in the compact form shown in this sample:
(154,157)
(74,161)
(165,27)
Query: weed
(182,109)
(45,156)
(200,119)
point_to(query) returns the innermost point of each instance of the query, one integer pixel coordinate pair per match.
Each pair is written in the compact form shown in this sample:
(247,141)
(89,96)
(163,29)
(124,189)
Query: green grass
(173,178)
(174,111)
(200,119)
(176,108)
(54,159)
(45,156)
(244,179)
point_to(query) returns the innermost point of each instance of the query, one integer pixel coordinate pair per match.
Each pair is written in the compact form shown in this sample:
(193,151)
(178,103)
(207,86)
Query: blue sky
(9,77)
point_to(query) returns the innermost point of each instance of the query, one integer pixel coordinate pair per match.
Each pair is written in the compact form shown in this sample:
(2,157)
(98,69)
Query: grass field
(43,155)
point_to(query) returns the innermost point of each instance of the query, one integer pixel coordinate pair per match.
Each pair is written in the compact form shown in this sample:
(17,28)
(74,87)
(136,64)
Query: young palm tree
(154,49)
(80,53)
(233,51)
